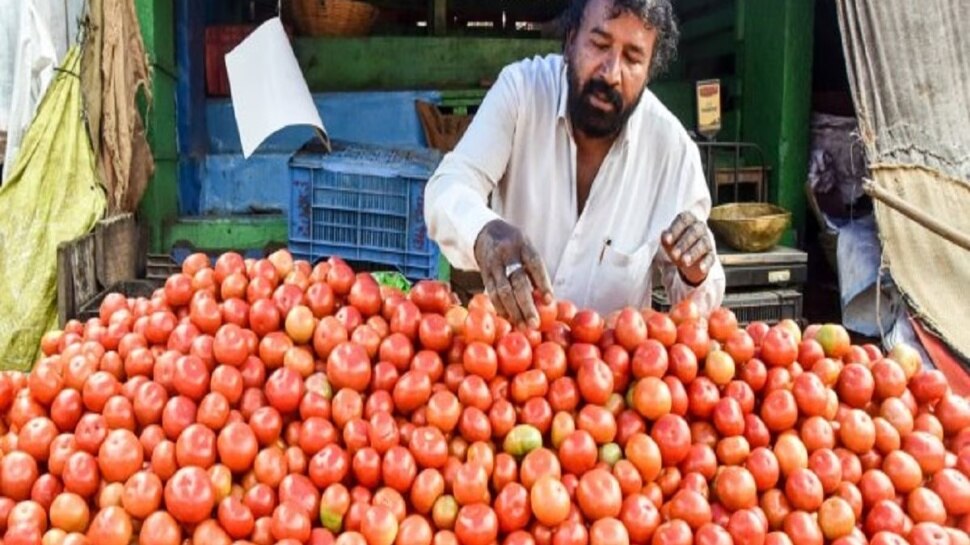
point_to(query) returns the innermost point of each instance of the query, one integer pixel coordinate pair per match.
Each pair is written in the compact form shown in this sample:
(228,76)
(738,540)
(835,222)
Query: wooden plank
(439,17)
(65,286)
(84,265)
(442,131)
(77,279)
(117,252)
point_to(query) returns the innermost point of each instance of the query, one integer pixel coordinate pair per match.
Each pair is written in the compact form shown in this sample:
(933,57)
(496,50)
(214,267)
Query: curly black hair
(659,14)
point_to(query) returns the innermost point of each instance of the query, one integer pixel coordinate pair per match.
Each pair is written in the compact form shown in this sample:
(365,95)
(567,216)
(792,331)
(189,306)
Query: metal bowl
(750,226)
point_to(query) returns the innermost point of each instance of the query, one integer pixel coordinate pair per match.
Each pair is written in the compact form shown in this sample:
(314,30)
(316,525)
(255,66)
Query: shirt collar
(627,136)
(563,94)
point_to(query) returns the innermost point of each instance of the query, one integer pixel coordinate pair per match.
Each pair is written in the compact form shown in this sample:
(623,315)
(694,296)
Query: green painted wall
(237,232)
(160,202)
(385,63)
(161,117)
(777,38)
(156,17)
(709,49)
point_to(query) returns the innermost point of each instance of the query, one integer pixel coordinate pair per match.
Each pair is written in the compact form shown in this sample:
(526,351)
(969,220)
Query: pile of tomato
(269,401)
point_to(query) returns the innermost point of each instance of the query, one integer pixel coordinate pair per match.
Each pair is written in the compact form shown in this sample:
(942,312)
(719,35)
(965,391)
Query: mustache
(601,88)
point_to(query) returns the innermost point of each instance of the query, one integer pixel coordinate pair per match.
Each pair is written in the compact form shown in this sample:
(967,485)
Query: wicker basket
(333,17)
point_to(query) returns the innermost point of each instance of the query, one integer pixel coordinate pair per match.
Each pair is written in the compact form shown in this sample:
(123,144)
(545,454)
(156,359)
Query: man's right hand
(511,271)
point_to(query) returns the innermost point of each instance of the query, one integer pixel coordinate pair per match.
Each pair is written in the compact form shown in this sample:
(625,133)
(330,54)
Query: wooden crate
(129,288)
(77,277)
(88,265)
(442,130)
(117,249)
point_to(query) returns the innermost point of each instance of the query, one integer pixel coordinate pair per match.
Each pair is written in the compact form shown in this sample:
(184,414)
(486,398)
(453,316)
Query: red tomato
(189,496)
(290,522)
(142,494)
(514,354)
(120,456)
(111,526)
(435,333)
(595,381)
(348,366)
(429,447)
(411,391)
(476,525)
(235,518)
(237,446)
(195,446)
(599,494)
(399,469)
(329,466)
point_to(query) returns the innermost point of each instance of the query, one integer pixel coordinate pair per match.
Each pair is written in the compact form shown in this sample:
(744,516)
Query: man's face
(608,61)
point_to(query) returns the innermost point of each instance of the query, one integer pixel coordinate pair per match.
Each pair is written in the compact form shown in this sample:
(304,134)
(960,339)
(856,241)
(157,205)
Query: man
(594,184)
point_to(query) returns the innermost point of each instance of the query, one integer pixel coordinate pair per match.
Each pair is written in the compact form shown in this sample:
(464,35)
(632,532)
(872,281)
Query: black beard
(591,120)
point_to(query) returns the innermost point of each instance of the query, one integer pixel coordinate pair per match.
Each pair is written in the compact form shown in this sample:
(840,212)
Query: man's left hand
(689,247)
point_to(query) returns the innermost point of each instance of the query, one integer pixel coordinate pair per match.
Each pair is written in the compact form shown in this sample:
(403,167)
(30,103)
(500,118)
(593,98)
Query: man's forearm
(455,210)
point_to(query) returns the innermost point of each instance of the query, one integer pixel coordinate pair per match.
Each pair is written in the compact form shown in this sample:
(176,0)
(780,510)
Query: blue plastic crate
(364,204)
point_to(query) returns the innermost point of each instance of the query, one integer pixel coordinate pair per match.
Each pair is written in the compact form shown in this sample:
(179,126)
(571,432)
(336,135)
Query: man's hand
(689,247)
(511,271)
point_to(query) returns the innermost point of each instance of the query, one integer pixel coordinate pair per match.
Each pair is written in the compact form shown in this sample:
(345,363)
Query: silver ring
(512,268)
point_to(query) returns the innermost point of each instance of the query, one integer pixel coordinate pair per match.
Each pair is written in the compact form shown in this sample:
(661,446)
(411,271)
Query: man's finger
(676,229)
(522,288)
(507,295)
(533,265)
(707,263)
(687,239)
(696,253)
(489,282)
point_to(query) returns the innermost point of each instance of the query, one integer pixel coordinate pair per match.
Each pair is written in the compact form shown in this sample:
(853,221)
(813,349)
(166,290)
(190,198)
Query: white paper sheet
(267,86)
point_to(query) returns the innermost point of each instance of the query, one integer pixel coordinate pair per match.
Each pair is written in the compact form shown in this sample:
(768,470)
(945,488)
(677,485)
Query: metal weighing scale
(763,286)
(779,267)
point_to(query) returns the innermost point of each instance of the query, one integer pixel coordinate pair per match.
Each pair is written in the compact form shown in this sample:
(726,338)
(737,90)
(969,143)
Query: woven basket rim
(339,17)
(777,212)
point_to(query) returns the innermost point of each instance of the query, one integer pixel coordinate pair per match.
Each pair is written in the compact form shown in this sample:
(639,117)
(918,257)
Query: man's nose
(610,69)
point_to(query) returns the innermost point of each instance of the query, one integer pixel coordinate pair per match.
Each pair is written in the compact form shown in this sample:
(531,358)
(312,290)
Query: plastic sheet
(52,196)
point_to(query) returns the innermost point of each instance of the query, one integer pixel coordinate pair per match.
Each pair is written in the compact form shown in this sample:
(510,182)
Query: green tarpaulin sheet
(52,196)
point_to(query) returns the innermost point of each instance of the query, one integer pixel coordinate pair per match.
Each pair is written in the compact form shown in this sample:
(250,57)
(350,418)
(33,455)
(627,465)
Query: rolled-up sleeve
(456,197)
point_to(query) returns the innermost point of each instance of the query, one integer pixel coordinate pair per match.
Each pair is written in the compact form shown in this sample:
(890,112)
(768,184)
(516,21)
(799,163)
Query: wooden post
(160,202)
(439,17)
(776,98)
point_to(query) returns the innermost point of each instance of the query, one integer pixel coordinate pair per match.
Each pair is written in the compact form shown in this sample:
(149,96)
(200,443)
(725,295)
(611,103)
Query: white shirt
(520,149)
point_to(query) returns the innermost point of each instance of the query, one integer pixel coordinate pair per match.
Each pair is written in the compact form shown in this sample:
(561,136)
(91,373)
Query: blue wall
(214,178)
(223,182)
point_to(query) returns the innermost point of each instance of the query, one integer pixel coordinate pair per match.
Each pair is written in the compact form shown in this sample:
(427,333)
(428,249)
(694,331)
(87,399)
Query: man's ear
(569,42)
